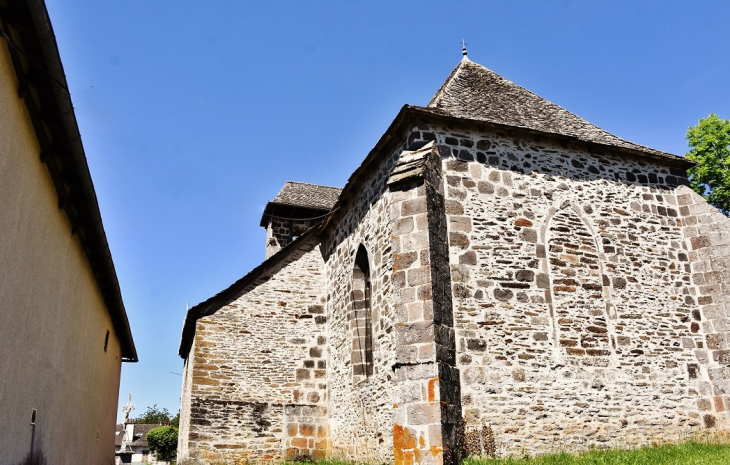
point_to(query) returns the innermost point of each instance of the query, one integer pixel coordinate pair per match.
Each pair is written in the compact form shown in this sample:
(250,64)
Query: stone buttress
(427,403)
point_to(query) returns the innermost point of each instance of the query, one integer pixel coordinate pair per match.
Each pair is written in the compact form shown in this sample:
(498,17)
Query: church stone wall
(556,295)
(281,231)
(361,415)
(707,236)
(259,371)
(574,305)
(407,410)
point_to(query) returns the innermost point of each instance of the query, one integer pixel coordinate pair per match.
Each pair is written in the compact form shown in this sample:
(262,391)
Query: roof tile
(475,92)
(307,195)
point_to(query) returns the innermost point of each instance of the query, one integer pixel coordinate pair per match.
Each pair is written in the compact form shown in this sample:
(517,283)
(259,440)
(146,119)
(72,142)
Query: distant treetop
(709,143)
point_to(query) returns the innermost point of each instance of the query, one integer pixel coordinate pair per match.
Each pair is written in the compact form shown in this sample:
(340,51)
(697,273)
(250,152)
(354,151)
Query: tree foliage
(163,442)
(155,416)
(175,421)
(709,143)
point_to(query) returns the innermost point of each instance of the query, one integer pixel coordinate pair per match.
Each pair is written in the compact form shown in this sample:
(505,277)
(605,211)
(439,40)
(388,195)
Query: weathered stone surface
(564,294)
(620,300)
(241,377)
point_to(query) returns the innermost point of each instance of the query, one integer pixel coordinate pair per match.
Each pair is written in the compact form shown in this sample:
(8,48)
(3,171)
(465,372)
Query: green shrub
(163,442)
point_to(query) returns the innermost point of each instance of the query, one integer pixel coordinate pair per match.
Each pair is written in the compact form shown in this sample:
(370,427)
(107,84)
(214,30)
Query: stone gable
(476,287)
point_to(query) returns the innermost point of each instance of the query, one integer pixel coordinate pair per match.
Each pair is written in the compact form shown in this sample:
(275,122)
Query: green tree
(163,442)
(175,421)
(709,143)
(155,416)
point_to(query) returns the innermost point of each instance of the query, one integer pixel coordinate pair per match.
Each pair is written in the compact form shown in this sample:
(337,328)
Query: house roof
(477,93)
(140,434)
(27,31)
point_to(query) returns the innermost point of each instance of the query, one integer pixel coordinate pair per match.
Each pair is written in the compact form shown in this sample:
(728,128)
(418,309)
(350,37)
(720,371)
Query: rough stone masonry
(498,275)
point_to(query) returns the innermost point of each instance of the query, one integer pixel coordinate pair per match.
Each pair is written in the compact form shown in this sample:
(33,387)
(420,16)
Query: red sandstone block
(321,444)
(684,199)
(415,311)
(418,276)
(299,442)
(435,437)
(426,352)
(407,295)
(306,430)
(399,196)
(421,222)
(404,260)
(460,223)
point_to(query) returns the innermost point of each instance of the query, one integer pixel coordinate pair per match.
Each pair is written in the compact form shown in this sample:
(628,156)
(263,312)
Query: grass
(683,454)
(687,453)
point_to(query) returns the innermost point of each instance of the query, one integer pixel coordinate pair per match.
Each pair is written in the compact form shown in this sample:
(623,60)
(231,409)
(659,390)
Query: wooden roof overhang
(28,35)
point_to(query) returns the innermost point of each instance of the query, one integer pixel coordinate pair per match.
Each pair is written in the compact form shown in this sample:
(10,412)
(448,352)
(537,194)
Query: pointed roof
(477,93)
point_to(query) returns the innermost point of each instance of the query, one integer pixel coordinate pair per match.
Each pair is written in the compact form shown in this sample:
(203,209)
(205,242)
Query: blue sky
(193,115)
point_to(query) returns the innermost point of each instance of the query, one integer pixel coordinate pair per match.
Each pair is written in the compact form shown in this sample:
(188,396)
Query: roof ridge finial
(463,51)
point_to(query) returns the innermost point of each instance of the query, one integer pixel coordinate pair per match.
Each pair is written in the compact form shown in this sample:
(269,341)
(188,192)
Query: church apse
(497,268)
(572,303)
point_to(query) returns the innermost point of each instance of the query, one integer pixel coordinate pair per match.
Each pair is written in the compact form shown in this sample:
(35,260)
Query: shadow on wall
(34,458)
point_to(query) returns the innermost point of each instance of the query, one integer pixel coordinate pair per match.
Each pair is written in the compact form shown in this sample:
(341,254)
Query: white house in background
(139,451)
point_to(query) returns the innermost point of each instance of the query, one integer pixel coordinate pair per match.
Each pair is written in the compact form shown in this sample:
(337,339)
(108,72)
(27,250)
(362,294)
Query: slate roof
(477,93)
(140,434)
(301,194)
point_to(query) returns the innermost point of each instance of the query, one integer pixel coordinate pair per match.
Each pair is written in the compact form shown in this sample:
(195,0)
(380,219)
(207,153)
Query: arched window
(577,291)
(360,320)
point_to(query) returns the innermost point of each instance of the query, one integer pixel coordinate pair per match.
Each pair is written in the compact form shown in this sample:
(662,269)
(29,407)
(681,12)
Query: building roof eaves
(73,183)
(272,204)
(474,92)
(409,113)
(634,149)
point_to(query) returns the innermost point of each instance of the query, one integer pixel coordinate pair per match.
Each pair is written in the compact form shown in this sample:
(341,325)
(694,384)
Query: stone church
(497,274)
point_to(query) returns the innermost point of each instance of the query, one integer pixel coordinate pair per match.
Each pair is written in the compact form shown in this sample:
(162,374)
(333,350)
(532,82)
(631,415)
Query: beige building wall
(53,320)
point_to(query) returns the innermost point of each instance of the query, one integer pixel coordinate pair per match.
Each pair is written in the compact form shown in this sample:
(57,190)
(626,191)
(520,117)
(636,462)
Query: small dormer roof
(301,194)
(297,197)
(477,93)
